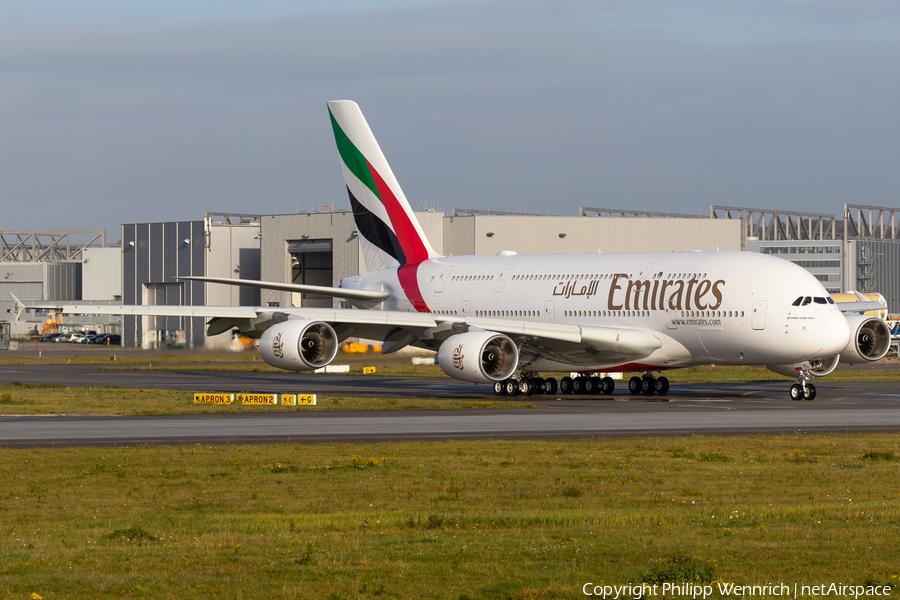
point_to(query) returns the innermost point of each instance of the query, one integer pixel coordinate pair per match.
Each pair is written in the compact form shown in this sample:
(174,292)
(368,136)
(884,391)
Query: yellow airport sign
(259,399)
(306,399)
(368,370)
(213,398)
(289,399)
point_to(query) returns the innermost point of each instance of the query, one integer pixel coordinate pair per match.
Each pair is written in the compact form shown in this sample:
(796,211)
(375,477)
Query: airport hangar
(859,251)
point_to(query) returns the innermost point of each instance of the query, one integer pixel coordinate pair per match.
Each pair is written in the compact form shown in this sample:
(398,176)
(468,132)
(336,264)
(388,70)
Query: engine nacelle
(478,356)
(817,368)
(298,345)
(870,340)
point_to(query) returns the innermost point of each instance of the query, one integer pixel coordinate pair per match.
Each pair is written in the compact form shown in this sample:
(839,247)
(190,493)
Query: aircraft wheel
(565,385)
(538,385)
(662,386)
(634,385)
(526,386)
(578,385)
(596,385)
(550,386)
(512,387)
(590,385)
(796,392)
(648,386)
(609,385)
(810,392)
(500,388)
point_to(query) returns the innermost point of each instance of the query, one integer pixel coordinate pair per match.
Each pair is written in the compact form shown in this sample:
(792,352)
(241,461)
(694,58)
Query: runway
(690,409)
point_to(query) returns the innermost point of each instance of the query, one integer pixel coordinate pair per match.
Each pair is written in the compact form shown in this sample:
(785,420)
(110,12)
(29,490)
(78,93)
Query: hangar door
(312,263)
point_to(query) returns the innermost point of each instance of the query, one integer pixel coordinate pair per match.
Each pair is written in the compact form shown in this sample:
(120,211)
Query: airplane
(504,319)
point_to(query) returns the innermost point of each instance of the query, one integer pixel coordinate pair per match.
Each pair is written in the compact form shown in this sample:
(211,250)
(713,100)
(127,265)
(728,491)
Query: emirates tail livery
(503,319)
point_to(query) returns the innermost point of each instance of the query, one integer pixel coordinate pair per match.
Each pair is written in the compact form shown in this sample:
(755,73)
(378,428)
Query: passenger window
(806,301)
(797,301)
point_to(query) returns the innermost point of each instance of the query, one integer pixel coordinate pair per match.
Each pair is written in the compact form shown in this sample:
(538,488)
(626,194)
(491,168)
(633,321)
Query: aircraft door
(501,280)
(670,319)
(442,279)
(549,311)
(467,307)
(758,317)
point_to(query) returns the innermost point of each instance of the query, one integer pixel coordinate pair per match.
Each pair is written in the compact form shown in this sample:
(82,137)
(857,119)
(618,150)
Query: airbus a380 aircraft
(503,319)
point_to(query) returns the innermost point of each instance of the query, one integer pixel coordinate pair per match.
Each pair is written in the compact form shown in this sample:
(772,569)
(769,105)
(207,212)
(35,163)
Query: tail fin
(389,231)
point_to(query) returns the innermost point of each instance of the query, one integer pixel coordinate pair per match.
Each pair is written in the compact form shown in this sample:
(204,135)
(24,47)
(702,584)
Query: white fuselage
(704,307)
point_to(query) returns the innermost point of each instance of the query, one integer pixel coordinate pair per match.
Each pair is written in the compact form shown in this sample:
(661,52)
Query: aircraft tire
(796,392)
(810,392)
(500,388)
(609,385)
(565,385)
(578,385)
(550,386)
(512,387)
(526,386)
(662,386)
(648,386)
(596,386)
(589,385)
(634,385)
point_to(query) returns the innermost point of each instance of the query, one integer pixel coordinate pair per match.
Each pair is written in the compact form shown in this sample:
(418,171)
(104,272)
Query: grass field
(452,520)
(30,399)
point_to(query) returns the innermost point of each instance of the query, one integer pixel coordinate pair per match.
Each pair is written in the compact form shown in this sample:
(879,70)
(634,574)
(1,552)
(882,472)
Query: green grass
(30,399)
(478,520)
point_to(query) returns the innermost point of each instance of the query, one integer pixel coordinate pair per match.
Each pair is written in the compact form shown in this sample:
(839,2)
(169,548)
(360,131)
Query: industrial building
(40,266)
(156,255)
(858,251)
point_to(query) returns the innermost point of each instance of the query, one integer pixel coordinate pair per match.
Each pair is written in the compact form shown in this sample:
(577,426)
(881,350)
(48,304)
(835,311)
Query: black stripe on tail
(375,230)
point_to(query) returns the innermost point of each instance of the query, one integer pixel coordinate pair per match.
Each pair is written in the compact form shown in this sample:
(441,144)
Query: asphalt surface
(709,409)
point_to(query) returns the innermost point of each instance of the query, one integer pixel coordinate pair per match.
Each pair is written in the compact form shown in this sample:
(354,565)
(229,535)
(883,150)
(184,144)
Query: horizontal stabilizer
(367,295)
(18,307)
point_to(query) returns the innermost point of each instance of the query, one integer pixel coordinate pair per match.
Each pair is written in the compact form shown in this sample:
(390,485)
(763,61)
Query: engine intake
(299,345)
(870,340)
(479,357)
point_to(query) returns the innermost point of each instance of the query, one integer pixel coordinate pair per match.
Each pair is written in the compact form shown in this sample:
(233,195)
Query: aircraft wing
(574,343)
(554,341)
(862,305)
(367,295)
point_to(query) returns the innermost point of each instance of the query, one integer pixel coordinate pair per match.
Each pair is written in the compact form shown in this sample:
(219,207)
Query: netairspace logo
(638,591)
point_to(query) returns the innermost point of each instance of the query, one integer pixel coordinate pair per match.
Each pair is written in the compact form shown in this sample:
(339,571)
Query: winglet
(18,307)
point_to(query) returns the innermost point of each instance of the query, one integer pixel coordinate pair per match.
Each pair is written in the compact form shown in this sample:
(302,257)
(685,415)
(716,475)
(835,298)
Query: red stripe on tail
(404,229)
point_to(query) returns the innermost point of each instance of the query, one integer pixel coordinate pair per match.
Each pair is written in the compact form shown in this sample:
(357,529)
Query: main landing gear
(803,390)
(529,384)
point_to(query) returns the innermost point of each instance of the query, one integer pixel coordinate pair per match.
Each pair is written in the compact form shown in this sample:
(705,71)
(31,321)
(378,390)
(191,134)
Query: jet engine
(870,340)
(298,345)
(478,356)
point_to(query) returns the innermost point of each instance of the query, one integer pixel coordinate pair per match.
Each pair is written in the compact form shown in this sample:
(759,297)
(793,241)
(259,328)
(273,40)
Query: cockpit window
(806,301)
(830,300)
(818,300)
(797,301)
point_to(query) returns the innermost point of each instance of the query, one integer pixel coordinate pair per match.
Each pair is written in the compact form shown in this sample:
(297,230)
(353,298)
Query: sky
(121,112)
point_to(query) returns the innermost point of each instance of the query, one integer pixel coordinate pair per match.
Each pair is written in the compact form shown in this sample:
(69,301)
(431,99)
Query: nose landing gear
(803,390)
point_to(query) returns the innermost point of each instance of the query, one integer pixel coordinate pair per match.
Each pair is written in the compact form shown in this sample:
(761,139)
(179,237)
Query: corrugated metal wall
(153,255)
(873,267)
(279,230)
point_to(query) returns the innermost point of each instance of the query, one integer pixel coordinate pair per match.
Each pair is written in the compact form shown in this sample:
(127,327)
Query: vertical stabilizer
(389,232)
